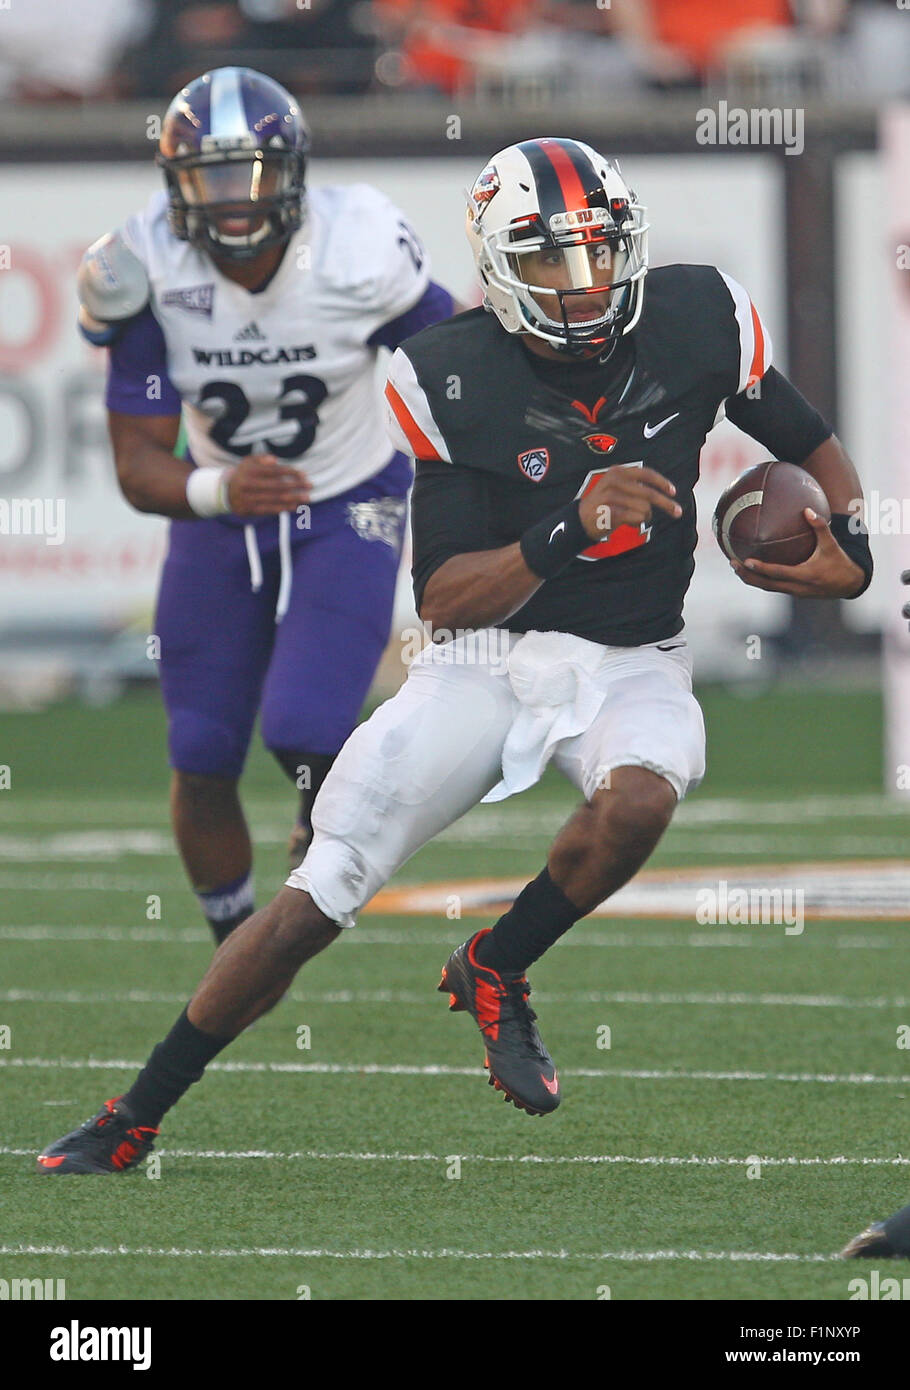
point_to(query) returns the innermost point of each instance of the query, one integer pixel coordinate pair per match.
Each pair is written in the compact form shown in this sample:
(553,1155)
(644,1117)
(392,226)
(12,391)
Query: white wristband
(207,491)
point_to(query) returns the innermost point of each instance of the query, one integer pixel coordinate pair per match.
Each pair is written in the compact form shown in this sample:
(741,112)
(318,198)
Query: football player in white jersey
(255,309)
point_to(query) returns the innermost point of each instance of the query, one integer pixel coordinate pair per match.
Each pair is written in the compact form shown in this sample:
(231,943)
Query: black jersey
(503,438)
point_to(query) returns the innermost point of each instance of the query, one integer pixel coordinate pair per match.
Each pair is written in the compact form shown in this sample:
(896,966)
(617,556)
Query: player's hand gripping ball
(779,513)
(760,515)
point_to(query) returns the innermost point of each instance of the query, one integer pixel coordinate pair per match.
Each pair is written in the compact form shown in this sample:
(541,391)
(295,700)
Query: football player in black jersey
(557,432)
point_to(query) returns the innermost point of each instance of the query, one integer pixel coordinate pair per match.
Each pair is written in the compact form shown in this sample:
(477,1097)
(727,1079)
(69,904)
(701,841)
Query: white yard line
(267,809)
(701,843)
(821,935)
(593,1160)
(429,997)
(104,844)
(443,1069)
(446,1253)
(105,847)
(54,881)
(170,935)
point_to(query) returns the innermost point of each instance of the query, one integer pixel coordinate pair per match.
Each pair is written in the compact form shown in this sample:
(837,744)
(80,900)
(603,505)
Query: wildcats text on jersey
(250,357)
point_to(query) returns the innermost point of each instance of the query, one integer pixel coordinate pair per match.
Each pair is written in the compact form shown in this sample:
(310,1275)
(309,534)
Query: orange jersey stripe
(758,357)
(418,441)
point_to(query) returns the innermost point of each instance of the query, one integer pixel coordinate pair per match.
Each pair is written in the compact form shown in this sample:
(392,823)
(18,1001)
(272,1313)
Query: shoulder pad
(112,281)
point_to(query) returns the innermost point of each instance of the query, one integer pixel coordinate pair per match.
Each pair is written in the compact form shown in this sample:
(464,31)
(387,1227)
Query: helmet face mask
(233,149)
(576,293)
(562,259)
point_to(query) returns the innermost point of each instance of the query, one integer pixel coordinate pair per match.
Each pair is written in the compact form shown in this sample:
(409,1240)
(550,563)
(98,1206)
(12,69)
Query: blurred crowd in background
(133,49)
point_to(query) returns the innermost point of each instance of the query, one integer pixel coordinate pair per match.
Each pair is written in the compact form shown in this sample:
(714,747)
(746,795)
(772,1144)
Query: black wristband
(553,543)
(853,539)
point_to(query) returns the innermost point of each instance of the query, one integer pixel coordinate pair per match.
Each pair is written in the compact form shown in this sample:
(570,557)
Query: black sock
(171,1069)
(540,915)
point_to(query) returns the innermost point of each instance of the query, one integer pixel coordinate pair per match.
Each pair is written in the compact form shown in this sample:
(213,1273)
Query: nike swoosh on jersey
(649,431)
(671,648)
(556,530)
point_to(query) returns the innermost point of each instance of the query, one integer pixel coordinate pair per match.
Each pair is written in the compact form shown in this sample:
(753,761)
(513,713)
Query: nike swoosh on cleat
(47,1161)
(556,530)
(552,1086)
(649,431)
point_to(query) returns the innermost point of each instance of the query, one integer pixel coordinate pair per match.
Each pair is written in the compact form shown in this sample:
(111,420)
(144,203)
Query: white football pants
(484,714)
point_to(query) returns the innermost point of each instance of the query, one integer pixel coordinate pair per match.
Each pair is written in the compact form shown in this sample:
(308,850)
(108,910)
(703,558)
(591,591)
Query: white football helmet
(557,211)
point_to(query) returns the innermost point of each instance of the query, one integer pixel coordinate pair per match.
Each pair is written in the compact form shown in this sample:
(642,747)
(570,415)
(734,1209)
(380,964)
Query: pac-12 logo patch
(600,443)
(534,463)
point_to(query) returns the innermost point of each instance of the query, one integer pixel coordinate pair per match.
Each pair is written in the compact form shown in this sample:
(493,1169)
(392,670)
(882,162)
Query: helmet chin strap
(573,345)
(602,350)
(580,346)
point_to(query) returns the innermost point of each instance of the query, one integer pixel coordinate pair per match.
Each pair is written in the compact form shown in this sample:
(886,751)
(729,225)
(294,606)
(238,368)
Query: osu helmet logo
(600,443)
(534,463)
(486,187)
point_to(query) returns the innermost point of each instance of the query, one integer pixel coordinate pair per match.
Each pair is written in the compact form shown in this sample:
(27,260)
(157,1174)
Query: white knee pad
(336,878)
(424,758)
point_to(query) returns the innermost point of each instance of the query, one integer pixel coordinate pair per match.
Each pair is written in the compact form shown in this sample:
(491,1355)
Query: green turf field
(292,1167)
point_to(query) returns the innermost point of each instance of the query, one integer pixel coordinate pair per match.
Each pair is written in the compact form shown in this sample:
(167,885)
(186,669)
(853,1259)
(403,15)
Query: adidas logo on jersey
(250,334)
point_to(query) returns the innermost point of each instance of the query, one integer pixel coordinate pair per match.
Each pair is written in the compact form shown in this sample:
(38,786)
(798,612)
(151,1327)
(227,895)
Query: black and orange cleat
(883,1240)
(519,1064)
(111,1142)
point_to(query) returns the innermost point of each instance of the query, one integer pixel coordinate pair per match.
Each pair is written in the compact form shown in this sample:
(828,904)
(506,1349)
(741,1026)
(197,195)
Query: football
(760,515)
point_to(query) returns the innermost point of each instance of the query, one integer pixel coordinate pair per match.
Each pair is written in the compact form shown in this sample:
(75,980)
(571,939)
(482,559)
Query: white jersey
(287,370)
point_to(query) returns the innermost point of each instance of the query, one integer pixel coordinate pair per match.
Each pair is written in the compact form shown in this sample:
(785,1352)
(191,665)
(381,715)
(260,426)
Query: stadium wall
(725,209)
